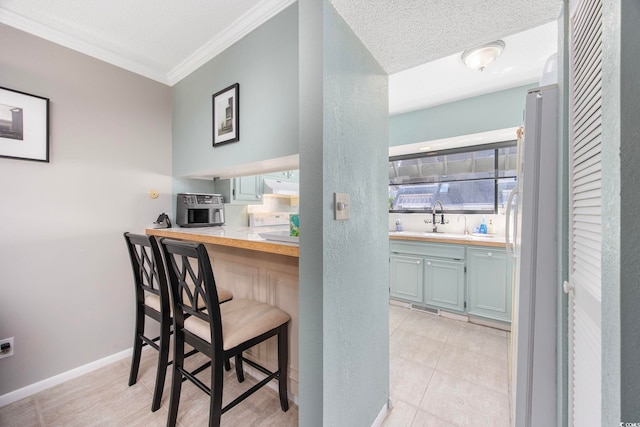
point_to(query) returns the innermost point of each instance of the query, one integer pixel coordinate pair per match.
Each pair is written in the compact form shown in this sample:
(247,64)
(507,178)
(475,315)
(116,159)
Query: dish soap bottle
(483,226)
(490,228)
(398,225)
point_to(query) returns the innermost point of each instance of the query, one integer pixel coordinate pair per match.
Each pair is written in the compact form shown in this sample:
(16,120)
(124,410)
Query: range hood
(281,188)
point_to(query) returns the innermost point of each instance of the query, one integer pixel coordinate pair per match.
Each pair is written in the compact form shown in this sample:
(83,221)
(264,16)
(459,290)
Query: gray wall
(344,264)
(497,110)
(312,205)
(66,292)
(356,251)
(620,201)
(265,64)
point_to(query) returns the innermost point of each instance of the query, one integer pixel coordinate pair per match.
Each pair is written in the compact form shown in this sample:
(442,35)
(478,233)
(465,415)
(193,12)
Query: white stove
(275,224)
(269,219)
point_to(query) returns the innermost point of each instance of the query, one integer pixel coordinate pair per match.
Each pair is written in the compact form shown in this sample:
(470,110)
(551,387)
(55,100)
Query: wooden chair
(219,332)
(152,300)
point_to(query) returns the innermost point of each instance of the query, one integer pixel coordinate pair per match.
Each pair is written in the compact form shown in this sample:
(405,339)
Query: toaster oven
(199,210)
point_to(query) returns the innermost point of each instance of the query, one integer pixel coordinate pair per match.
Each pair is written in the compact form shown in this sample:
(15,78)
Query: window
(466,180)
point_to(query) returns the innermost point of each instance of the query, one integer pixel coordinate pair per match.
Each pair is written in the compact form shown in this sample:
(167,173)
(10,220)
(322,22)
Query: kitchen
(149,166)
(160,163)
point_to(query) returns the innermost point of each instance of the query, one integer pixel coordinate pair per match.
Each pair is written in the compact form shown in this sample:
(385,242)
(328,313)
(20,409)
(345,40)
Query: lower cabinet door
(406,277)
(489,283)
(444,284)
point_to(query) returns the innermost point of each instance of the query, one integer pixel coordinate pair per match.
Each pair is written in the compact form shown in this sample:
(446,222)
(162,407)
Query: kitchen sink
(439,235)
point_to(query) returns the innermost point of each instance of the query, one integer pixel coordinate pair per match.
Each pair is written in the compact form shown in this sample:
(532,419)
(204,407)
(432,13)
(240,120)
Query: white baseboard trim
(382,415)
(32,389)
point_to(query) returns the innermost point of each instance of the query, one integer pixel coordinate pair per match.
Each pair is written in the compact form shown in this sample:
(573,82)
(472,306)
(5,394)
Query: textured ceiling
(166,40)
(402,34)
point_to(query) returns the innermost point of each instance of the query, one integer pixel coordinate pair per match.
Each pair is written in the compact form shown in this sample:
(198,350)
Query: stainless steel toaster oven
(199,210)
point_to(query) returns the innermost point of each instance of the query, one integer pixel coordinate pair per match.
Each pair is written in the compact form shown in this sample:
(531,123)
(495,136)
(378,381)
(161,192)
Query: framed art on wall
(24,126)
(226,115)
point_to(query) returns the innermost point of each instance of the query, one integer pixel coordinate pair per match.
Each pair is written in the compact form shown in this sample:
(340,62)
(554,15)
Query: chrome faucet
(433,215)
(466,230)
(433,221)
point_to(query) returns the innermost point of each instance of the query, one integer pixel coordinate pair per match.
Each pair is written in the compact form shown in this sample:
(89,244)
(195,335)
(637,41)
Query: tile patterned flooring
(446,373)
(443,373)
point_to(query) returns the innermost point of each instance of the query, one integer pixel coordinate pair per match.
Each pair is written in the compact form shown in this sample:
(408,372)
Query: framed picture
(226,115)
(24,126)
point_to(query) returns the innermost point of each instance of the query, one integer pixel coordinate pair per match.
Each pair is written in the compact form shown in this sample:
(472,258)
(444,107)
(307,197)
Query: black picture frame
(226,115)
(24,126)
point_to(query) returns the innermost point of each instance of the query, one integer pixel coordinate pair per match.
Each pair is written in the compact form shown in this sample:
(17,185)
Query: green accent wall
(496,110)
(344,266)
(265,64)
(620,201)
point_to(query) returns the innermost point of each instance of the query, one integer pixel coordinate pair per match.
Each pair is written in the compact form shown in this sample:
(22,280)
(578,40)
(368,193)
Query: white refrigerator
(532,243)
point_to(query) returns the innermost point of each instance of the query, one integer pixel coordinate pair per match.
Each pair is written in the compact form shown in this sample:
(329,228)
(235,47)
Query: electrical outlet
(7,352)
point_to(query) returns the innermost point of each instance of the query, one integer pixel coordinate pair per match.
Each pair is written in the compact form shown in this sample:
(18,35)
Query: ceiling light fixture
(479,57)
(424,148)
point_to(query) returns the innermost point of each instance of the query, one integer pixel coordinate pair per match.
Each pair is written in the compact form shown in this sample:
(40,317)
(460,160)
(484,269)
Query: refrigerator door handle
(511,246)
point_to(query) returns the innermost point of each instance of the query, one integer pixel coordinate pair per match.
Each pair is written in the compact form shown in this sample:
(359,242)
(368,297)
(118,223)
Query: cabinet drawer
(438,250)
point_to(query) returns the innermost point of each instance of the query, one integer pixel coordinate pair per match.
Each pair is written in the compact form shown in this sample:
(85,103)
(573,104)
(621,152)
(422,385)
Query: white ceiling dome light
(479,57)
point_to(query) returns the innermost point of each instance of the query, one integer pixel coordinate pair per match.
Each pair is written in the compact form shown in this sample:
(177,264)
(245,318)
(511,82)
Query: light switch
(341,205)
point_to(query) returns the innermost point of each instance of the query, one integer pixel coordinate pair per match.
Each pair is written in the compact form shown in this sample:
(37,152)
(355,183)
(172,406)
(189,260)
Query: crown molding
(242,26)
(55,36)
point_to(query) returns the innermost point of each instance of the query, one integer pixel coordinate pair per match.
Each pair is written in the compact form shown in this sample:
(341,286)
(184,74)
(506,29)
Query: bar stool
(152,300)
(220,332)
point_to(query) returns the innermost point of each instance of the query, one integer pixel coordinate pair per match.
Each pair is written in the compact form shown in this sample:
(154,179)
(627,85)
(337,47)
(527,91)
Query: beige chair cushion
(242,319)
(153,300)
(224,295)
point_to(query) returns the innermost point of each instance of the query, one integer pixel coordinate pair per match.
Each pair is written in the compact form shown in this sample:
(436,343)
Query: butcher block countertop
(452,238)
(236,237)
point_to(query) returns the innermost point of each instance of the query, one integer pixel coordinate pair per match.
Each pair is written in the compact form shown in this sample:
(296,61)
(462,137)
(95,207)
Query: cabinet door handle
(429,263)
(418,262)
(489,254)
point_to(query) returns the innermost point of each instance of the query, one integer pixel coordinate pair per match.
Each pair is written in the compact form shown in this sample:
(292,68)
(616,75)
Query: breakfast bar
(252,267)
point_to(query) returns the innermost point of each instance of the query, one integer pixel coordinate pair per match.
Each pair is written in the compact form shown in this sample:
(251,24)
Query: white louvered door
(585,217)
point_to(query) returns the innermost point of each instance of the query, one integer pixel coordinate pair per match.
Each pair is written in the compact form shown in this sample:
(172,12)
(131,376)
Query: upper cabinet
(251,189)
(293,175)
(246,189)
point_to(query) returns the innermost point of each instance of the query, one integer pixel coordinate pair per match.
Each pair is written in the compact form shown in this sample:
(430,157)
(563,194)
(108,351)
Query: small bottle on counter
(490,228)
(398,225)
(483,227)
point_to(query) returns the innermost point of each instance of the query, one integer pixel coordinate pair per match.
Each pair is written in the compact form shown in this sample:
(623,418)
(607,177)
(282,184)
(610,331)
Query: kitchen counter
(236,237)
(253,268)
(457,239)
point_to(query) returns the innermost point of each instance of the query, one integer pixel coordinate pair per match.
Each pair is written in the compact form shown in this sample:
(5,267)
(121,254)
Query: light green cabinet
(489,283)
(429,274)
(444,283)
(467,279)
(248,188)
(407,274)
(243,190)
(292,176)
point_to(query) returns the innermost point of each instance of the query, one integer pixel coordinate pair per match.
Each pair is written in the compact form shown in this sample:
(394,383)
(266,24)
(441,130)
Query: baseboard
(491,323)
(454,316)
(399,303)
(32,389)
(382,415)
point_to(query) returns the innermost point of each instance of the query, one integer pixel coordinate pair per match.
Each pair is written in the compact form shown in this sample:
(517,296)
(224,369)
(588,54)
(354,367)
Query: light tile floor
(446,373)
(443,373)
(103,398)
